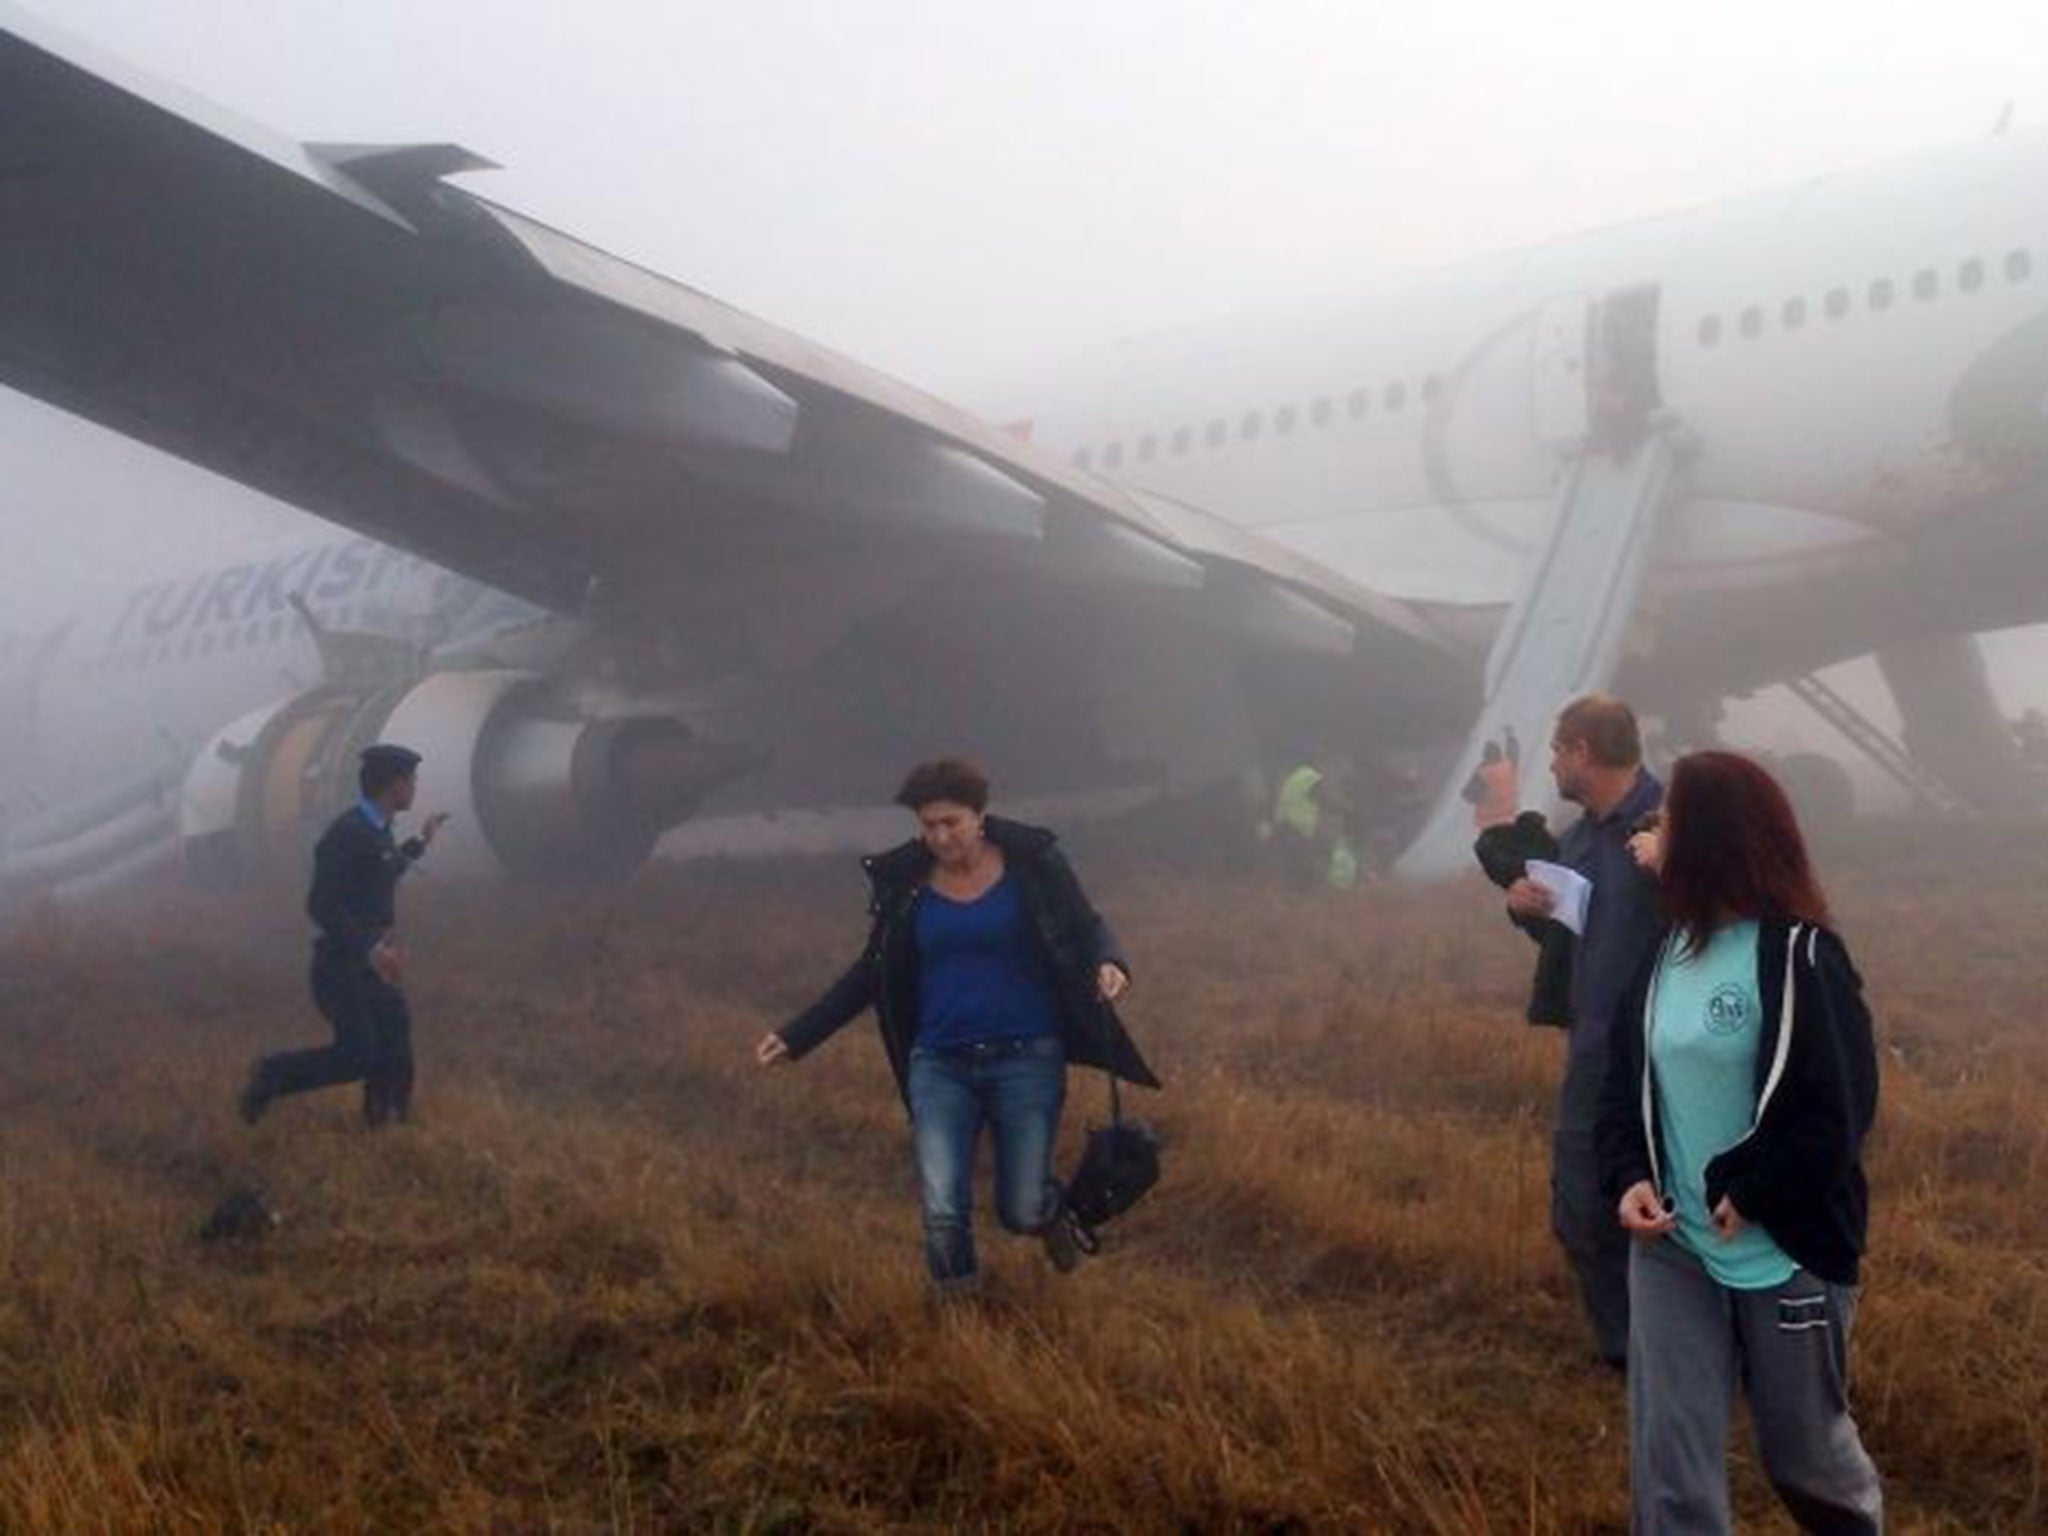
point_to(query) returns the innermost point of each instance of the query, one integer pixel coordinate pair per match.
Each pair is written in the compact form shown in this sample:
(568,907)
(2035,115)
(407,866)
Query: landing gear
(1953,727)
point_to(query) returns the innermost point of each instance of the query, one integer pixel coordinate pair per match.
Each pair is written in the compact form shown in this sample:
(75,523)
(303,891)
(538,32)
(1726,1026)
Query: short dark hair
(1606,726)
(1732,849)
(379,773)
(947,778)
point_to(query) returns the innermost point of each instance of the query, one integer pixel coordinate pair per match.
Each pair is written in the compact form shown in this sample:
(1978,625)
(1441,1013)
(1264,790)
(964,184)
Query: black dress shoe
(254,1099)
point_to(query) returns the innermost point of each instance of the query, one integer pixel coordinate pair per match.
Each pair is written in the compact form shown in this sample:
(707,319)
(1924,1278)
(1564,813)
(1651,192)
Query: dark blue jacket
(1073,941)
(354,896)
(1624,919)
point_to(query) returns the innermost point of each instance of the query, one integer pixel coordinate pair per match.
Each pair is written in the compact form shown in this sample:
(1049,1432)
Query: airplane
(1684,458)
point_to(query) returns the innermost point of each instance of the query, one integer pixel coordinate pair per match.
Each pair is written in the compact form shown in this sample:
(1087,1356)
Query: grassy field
(615,1279)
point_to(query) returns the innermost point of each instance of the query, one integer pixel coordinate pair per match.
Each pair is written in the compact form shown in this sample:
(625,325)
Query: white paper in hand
(1570,891)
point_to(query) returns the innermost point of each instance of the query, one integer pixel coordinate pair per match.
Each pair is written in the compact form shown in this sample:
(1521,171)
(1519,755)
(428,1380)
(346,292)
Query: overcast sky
(963,192)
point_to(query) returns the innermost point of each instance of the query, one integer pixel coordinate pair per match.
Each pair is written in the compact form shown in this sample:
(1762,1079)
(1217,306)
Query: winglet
(393,170)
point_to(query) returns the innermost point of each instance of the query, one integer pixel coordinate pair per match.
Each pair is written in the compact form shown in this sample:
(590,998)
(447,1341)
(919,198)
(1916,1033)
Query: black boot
(255,1096)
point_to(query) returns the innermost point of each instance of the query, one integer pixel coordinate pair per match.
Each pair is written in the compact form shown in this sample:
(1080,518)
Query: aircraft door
(1594,369)
(1621,369)
(1557,370)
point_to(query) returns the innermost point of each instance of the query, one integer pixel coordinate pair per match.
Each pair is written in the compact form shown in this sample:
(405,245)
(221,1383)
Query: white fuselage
(1853,358)
(146,675)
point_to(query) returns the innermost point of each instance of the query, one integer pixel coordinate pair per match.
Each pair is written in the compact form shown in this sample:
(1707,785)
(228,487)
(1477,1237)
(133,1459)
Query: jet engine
(535,784)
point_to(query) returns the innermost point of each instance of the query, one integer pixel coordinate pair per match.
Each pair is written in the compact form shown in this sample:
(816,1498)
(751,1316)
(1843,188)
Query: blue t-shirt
(1704,1027)
(979,974)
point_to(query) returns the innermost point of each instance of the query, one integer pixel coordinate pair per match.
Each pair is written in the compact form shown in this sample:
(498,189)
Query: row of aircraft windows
(1321,412)
(1882,293)
(1925,287)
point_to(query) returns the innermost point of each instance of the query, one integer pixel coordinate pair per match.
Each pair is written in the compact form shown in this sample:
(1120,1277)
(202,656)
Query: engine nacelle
(532,786)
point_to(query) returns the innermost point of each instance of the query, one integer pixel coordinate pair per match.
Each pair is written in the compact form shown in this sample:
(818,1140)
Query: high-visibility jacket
(1295,807)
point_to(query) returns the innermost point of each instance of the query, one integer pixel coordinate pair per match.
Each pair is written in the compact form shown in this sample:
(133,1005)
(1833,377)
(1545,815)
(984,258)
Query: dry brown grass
(615,1280)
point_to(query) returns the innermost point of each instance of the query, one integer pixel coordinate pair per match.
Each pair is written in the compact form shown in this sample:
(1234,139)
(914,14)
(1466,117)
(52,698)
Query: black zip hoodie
(1072,938)
(1798,1173)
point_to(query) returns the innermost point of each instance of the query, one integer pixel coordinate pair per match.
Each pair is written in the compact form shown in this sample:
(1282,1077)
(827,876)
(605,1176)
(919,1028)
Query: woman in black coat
(989,972)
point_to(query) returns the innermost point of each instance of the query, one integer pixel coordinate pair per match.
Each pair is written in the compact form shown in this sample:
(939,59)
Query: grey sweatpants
(1690,1337)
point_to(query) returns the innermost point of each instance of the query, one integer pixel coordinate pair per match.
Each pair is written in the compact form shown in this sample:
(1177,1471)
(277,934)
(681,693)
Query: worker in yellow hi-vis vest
(1311,832)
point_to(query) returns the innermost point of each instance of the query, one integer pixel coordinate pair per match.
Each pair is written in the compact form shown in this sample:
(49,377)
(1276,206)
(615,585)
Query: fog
(965,194)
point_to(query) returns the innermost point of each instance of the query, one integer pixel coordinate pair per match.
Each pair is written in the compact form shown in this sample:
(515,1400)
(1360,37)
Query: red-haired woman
(1740,1086)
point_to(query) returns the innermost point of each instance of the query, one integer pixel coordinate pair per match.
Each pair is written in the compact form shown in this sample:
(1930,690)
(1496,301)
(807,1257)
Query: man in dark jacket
(1596,760)
(357,964)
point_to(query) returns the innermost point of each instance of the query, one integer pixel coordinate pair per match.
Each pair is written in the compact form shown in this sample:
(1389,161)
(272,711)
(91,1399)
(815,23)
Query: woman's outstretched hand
(1642,1211)
(1111,982)
(772,1051)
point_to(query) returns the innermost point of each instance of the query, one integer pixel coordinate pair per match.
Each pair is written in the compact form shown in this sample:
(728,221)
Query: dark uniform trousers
(372,1040)
(352,901)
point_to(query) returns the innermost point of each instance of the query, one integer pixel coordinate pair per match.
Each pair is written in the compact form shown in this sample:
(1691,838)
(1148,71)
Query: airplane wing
(342,328)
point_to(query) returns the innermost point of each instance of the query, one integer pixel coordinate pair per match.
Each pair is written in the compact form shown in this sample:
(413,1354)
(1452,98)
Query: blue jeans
(1017,1087)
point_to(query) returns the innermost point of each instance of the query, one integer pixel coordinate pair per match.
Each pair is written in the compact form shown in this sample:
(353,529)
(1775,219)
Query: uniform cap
(386,754)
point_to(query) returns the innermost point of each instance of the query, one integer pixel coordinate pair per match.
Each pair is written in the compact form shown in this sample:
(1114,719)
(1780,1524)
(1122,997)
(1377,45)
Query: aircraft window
(1710,330)
(1283,419)
(1359,403)
(1881,294)
(1319,413)
(1793,314)
(1148,447)
(1183,438)
(1250,426)
(1752,322)
(1970,275)
(1112,456)
(1836,304)
(1926,285)
(2019,266)
(1218,431)
(1396,396)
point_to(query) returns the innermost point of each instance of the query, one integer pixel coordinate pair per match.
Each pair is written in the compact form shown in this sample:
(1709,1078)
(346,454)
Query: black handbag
(1118,1165)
